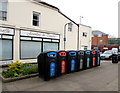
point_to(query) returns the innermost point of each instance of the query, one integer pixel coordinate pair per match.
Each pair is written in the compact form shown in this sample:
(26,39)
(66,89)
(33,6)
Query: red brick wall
(96,40)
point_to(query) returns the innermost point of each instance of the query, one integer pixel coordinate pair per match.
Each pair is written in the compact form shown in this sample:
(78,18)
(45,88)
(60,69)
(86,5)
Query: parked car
(106,55)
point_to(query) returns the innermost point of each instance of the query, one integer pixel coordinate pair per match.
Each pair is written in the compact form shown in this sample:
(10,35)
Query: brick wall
(103,40)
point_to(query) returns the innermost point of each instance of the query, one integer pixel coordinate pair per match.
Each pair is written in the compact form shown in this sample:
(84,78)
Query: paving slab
(103,78)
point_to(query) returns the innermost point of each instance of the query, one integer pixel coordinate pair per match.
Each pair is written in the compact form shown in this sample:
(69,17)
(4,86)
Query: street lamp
(81,18)
(65,33)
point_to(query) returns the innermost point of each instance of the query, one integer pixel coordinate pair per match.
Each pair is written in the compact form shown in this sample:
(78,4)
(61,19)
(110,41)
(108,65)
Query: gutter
(67,17)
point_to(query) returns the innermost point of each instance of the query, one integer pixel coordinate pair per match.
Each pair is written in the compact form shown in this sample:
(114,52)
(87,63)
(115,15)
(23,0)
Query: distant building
(99,38)
(85,37)
(101,41)
(114,41)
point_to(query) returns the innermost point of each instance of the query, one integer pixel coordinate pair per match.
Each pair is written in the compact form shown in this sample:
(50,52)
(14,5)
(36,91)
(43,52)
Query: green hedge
(18,69)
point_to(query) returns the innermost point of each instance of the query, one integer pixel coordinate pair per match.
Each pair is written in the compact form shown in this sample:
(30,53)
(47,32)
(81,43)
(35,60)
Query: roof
(67,17)
(97,32)
(85,25)
(44,3)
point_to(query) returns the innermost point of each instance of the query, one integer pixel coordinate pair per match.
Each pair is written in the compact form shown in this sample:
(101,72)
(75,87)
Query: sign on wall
(39,34)
(8,31)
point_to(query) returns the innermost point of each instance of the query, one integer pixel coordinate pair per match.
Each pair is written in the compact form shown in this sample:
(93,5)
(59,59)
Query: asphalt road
(103,78)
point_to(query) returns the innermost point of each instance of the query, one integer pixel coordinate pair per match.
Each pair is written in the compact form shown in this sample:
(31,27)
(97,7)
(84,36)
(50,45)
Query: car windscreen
(107,52)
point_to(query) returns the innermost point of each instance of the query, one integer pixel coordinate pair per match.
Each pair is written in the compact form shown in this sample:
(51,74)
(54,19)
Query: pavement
(103,78)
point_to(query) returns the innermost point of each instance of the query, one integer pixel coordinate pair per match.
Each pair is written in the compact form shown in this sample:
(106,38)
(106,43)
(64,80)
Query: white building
(85,37)
(28,27)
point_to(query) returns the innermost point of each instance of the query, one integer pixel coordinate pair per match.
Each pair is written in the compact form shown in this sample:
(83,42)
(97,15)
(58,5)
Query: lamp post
(65,33)
(78,33)
(81,18)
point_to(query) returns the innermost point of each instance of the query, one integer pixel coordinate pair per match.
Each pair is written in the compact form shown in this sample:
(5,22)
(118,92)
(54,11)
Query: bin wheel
(110,57)
(46,79)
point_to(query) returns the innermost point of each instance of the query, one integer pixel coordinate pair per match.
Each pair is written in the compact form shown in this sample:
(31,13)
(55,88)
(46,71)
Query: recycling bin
(118,57)
(61,63)
(47,65)
(97,57)
(80,60)
(71,61)
(87,59)
(114,58)
(93,59)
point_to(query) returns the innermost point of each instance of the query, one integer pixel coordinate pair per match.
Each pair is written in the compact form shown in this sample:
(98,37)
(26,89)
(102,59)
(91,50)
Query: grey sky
(99,14)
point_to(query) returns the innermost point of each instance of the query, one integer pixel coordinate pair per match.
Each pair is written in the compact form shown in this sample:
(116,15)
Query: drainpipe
(65,34)
(78,38)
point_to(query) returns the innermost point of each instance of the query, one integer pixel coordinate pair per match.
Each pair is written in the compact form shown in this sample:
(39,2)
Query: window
(6,43)
(50,46)
(6,48)
(25,38)
(48,40)
(32,43)
(32,51)
(55,40)
(99,35)
(70,27)
(108,52)
(84,34)
(101,41)
(37,39)
(3,10)
(36,46)
(36,18)
(85,47)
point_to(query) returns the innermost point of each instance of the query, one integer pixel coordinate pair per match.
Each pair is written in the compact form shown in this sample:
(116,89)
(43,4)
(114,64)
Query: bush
(30,70)
(18,69)
(27,65)
(8,74)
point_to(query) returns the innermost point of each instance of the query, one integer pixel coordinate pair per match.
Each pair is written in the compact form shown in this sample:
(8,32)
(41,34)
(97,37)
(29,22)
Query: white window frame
(38,21)
(99,35)
(85,47)
(4,12)
(84,34)
(10,39)
(101,41)
(70,27)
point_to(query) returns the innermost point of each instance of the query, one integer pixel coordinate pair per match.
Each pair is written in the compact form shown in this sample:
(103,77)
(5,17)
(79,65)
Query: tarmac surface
(103,78)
